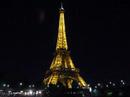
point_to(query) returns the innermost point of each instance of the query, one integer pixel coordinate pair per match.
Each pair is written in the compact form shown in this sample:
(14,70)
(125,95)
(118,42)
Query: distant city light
(30,92)
(94,89)
(113,84)
(20,84)
(122,81)
(9,91)
(4,85)
(40,92)
(21,91)
(58,86)
(95,86)
(33,85)
(110,82)
(107,86)
(99,84)
(8,85)
(36,92)
(25,93)
(90,89)
(88,85)
(29,86)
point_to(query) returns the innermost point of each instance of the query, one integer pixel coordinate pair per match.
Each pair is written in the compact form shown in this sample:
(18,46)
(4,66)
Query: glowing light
(33,85)
(9,91)
(21,91)
(25,93)
(95,86)
(30,92)
(58,86)
(29,86)
(36,92)
(20,84)
(61,40)
(95,91)
(99,84)
(88,85)
(4,85)
(8,85)
(107,86)
(110,82)
(90,89)
(122,81)
(40,92)
(113,84)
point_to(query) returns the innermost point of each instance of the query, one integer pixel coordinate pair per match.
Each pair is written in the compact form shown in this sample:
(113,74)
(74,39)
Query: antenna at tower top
(62,8)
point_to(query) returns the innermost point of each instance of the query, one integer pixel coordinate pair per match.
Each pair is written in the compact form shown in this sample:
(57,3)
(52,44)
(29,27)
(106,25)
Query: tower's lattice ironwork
(62,69)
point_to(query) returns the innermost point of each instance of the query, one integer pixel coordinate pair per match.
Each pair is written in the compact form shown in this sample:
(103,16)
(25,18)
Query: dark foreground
(54,92)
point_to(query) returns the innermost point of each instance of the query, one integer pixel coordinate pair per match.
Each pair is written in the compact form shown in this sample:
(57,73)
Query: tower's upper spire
(61,40)
(62,8)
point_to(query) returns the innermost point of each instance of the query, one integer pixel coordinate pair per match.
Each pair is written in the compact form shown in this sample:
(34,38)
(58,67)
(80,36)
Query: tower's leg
(81,83)
(69,83)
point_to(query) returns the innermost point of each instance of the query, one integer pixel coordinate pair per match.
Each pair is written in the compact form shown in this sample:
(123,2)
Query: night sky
(97,31)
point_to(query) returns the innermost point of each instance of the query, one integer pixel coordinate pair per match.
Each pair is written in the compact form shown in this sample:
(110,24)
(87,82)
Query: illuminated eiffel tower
(62,69)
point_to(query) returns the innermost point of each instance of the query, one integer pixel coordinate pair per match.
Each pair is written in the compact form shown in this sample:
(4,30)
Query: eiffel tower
(62,69)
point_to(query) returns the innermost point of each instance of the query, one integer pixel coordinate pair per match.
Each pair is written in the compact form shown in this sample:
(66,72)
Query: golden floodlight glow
(61,40)
(62,69)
